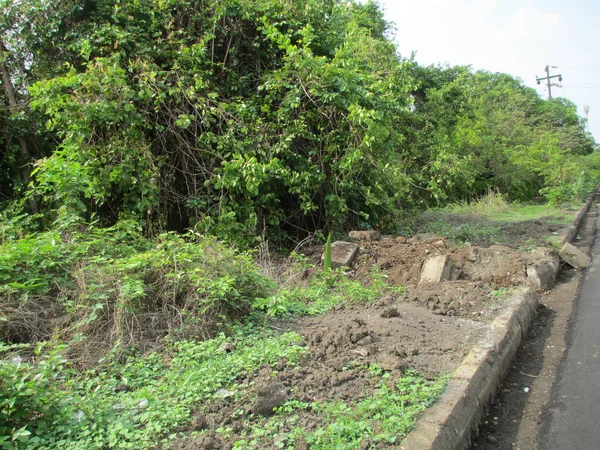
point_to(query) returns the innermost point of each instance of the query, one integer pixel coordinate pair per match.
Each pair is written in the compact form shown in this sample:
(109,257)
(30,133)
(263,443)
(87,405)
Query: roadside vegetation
(491,219)
(148,148)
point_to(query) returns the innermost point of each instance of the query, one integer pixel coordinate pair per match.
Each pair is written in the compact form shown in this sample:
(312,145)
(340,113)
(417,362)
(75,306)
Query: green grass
(328,289)
(489,220)
(495,207)
(385,416)
(465,232)
(90,412)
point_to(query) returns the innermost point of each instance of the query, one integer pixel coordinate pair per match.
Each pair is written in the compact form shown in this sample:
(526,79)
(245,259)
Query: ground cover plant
(385,417)
(131,397)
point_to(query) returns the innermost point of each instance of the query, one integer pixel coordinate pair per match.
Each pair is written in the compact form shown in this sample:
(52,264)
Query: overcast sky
(518,37)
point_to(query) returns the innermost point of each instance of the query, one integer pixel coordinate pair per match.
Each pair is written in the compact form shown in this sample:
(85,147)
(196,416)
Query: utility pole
(548,77)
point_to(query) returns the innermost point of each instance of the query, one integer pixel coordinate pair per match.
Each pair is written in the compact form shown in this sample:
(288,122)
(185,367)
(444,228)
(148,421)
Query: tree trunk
(13,107)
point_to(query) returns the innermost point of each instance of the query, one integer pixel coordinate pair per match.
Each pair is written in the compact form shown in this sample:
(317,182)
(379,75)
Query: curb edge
(449,423)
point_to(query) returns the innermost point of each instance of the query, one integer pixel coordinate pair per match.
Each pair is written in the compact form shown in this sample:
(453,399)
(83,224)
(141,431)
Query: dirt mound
(391,334)
(430,328)
(486,274)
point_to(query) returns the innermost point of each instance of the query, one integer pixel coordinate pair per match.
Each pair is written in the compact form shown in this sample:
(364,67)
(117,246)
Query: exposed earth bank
(430,327)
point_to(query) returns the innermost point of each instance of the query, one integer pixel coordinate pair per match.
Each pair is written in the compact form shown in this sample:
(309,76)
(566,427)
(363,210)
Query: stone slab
(342,254)
(574,257)
(437,269)
(541,275)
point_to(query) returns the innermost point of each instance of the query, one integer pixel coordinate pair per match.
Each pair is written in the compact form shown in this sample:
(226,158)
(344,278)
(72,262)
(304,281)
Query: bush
(28,394)
(112,285)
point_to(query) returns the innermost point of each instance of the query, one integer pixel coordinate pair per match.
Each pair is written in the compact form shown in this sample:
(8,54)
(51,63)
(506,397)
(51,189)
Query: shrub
(112,285)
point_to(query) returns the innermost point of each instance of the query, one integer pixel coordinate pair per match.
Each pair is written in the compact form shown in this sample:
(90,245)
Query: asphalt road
(575,403)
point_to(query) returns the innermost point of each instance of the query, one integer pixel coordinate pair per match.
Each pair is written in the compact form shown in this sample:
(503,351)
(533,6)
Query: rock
(367,340)
(440,244)
(364,352)
(368,235)
(473,254)
(541,275)
(342,254)
(227,347)
(574,257)
(270,395)
(389,313)
(491,438)
(437,269)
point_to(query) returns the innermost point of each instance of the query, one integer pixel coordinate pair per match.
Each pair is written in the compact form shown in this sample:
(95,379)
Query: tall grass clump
(109,286)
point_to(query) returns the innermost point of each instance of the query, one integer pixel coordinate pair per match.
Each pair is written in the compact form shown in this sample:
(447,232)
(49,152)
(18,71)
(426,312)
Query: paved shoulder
(575,405)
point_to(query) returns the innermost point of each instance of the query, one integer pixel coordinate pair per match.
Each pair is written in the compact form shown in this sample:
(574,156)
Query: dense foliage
(249,117)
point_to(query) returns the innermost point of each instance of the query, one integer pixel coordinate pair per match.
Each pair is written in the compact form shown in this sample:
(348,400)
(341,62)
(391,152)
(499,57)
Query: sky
(518,37)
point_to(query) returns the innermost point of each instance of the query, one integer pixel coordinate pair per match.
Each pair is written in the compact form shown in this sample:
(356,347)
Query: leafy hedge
(262,117)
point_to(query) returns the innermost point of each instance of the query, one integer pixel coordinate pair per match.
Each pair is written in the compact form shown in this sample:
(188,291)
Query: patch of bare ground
(430,328)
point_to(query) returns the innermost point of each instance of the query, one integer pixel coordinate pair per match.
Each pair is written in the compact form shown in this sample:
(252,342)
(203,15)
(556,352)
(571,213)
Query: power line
(548,77)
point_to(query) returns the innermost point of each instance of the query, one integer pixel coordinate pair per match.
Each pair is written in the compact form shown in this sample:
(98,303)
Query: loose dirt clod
(269,395)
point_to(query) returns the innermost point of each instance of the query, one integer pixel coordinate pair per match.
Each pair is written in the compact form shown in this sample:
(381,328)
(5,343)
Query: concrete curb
(449,423)
(574,227)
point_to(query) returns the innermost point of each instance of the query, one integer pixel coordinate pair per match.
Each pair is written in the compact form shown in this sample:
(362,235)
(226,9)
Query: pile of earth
(430,328)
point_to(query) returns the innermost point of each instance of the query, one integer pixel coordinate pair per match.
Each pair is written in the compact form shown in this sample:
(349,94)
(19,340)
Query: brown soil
(430,328)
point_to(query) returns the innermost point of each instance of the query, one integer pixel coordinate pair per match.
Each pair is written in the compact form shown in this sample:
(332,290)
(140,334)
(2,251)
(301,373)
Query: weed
(383,417)
(326,290)
(501,293)
(468,232)
(327,257)
(491,204)
(112,285)
(50,407)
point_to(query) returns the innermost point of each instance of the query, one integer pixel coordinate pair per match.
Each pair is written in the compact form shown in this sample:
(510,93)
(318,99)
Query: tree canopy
(250,117)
